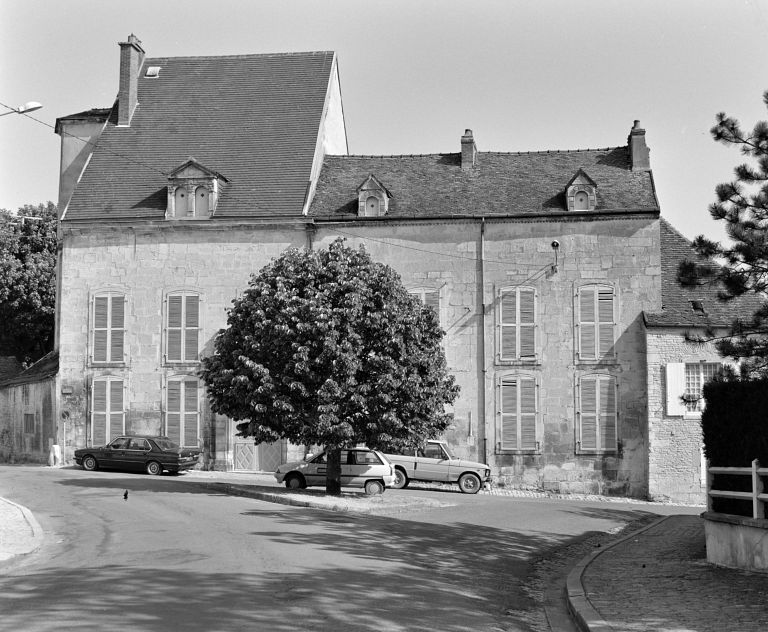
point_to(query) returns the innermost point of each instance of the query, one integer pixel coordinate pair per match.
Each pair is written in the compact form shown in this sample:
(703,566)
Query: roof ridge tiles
(240,55)
(495,153)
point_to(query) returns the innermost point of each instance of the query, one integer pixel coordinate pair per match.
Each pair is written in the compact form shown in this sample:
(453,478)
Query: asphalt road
(173,556)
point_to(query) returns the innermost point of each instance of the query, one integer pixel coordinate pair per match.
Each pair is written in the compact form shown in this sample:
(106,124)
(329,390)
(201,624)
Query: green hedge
(735,429)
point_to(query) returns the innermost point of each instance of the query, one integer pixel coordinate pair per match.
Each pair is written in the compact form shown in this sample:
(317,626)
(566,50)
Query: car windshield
(166,444)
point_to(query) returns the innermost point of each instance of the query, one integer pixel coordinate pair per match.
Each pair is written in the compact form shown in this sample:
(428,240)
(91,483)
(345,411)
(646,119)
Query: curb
(34,526)
(583,612)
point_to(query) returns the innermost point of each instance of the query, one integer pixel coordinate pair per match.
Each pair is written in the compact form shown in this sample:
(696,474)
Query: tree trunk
(333,472)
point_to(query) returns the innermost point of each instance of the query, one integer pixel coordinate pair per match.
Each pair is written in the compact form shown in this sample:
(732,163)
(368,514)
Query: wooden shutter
(190,413)
(432,300)
(173,411)
(587,324)
(174,328)
(508,324)
(100,328)
(588,425)
(509,420)
(99,413)
(675,383)
(116,409)
(607,420)
(527,323)
(191,327)
(605,325)
(527,413)
(117,329)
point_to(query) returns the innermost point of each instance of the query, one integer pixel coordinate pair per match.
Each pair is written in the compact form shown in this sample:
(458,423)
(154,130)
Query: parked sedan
(138,453)
(360,467)
(436,463)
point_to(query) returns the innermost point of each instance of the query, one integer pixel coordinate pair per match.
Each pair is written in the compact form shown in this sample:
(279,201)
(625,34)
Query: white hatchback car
(360,467)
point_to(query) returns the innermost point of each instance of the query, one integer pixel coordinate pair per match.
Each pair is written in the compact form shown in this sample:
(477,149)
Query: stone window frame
(579,425)
(420,291)
(108,379)
(184,293)
(182,378)
(112,293)
(517,358)
(518,376)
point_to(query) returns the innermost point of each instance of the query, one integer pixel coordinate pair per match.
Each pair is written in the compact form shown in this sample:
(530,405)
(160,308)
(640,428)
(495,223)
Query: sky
(524,75)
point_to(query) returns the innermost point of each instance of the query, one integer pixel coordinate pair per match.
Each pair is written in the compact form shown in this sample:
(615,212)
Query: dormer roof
(192,168)
(581,177)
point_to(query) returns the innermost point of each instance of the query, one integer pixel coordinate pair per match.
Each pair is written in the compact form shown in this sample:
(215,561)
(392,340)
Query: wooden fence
(757,496)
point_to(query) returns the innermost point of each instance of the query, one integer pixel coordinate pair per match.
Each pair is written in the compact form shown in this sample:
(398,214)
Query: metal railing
(757,496)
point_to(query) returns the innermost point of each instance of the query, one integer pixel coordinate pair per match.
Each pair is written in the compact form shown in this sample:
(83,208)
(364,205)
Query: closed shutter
(190,413)
(599,413)
(117,329)
(588,430)
(527,414)
(99,413)
(173,411)
(518,413)
(432,300)
(527,324)
(508,324)
(100,328)
(605,324)
(174,328)
(191,327)
(587,333)
(675,383)
(508,414)
(116,409)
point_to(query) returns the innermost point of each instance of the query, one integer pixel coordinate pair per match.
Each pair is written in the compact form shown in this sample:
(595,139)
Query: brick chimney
(639,154)
(131,58)
(468,150)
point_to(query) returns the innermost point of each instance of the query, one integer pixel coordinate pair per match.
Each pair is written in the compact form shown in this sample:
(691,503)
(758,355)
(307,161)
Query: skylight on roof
(153,72)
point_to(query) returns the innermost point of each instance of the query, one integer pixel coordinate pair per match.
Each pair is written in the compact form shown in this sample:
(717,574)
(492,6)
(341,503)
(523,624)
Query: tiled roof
(252,118)
(697,306)
(46,367)
(435,185)
(9,367)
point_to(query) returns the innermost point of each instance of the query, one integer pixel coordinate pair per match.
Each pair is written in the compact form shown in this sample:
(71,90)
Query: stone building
(542,266)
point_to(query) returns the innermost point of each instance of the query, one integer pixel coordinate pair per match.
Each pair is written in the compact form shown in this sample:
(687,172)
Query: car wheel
(374,488)
(295,481)
(401,479)
(154,468)
(90,463)
(469,483)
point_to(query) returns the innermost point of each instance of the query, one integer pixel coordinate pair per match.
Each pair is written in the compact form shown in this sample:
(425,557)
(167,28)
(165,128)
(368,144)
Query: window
(201,201)
(108,328)
(182,413)
(517,399)
(139,444)
(372,206)
(29,423)
(430,298)
(596,323)
(180,202)
(581,201)
(182,327)
(598,414)
(517,324)
(685,382)
(107,410)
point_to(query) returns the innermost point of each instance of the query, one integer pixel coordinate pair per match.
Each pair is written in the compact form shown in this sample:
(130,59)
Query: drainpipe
(484,372)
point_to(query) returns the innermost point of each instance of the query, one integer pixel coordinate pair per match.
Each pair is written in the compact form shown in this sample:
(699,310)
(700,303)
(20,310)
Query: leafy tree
(28,245)
(743,262)
(327,348)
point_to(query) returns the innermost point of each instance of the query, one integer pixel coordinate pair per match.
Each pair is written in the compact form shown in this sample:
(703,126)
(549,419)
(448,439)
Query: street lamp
(29,106)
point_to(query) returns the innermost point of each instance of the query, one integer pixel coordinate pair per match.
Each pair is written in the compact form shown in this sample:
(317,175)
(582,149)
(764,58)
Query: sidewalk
(658,579)
(655,579)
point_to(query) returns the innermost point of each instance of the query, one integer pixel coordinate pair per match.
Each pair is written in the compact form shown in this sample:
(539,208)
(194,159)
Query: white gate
(262,457)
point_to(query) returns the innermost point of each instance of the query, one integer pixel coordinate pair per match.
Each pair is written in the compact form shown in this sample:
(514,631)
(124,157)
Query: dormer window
(581,193)
(372,198)
(193,191)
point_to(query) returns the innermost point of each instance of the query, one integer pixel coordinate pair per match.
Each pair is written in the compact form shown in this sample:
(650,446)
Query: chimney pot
(131,59)
(468,150)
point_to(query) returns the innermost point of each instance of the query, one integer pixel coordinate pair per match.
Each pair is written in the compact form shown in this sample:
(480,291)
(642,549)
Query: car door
(315,471)
(360,466)
(432,463)
(113,455)
(136,454)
